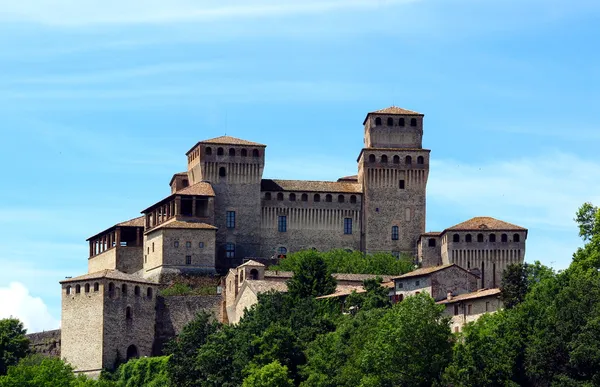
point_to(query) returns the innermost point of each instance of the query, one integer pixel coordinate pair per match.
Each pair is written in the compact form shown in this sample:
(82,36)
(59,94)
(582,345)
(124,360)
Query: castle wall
(247,298)
(479,307)
(491,258)
(45,343)
(430,255)
(454,280)
(310,224)
(394,136)
(130,258)
(105,260)
(121,329)
(153,251)
(82,327)
(173,313)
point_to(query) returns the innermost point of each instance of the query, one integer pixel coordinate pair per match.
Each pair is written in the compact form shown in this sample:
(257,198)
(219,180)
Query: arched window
(268,196)
(317,198)
(408,160)
(87,288)
(413,122)
(77,289)
(420,160)
(68,289)
(292,197)
(516,238)
(353,199)
(378,121)
(396,159)
(132,352)
(255,153)
(390,121)
(222,172)
(401,121)
(136,290)
(128,315)
(480,238)
(281,252)
(304,197)
(231,152)
(468,238)
(280,196)
(253,274)
(208,151)
(456,238)
(124,289)
(431,242)
(244,153)
(219,151)
(111,290)
(384,159)
(185,182)
(371,158)
(341,198)
(328,198)
(504,238)
(96,286)
(492,237)
(395,232)
(149,293)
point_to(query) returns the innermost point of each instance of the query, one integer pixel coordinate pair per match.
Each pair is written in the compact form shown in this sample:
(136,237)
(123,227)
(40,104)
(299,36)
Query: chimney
(449,296)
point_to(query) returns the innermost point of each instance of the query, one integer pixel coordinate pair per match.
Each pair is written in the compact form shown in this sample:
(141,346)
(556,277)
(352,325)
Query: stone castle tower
(393,169)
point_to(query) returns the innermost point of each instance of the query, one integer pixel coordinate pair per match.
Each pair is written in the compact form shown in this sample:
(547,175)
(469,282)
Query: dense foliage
(548,335)
(343,261)
(13,344)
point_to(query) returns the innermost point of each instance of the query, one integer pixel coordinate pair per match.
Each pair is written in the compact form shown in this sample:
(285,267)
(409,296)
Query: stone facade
(469,307)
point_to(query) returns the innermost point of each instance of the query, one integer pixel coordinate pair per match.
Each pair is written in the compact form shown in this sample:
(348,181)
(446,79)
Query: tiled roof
(395,110)
(342,290)
(470,296)
(251,263)
(177,174)
(346,178)
(309,186)
(108,274)
(262,286)
(425,271)
(360,277)
(485,223)
(432,233)
(174,223)
(228,140)
(279,274)
(135,222)
(201,188)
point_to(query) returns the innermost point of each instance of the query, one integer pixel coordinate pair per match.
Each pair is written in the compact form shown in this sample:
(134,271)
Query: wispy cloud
(17,302)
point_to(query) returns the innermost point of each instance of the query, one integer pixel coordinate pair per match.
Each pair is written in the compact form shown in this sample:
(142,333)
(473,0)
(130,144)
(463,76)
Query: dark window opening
(188,259)
(504,238)
(231,152)
(468,238)
(384,159)
(268,196)
(401,185)
(390,121)
(208,151)
(77,289)
(480,238)
(222,172)
(408,160)
(281,252)
(455,238)
(456,310)
(132,352)
(317,198)
(413,122)
(378,121)
(255,153)
(341,198)
(111,290)
(96,286)
(328,198)
(201,245)
(395,233)
(244,153)
(128,315)
(219,151)
(68,289)
(230,221)
(420,160)
(401,122)
(396,159)
(229,250)
(279,196)
(292,197)
(347,225)
(371,158)
(149,293)
(516,238)
(492,237)
(186,207)
(185,182)
(431,242)
(136,290)
(124,289)
(282,224)
(417,283)
(304,197)
(87,288)
(353,199)
(188,244)
(253,274)
(176,244)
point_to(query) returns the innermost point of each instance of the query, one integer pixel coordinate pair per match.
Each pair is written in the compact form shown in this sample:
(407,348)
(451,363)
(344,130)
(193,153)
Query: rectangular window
(400,285)
(148,250)
(487,306)
(188,259)
(176,244)
(230,219)
(401,184)
(201,245)
(395,232)
(282,224)
(347,225)
(417,283)
(229,250)
(469,309)
(152,246)
(188,244)
(456,310)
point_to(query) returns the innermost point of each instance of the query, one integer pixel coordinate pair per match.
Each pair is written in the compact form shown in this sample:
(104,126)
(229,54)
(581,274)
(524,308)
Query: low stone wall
(46,343)
(175,312)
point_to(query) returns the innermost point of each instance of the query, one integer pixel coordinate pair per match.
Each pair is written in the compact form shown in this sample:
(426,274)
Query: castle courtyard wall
(102,261)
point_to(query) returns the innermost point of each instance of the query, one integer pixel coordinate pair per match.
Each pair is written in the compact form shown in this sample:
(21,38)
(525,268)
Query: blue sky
(100,100)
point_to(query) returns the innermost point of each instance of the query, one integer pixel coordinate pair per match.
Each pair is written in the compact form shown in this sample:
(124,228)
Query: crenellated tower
(234,168)
(393,169)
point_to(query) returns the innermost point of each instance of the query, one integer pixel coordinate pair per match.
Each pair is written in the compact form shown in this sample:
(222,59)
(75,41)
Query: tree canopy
(14,345)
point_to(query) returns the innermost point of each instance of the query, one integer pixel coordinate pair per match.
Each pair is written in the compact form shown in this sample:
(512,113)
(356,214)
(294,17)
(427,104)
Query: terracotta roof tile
(228,140)
(108,274)
(432,233)
(251,263)
(342,290)
(179,224)
(262,286)
(470,296)
(485,223)
(425,271)
(348,178)
(360,277)
(201,189)
(309,186)
(278,274)
(135,222)
(395,110)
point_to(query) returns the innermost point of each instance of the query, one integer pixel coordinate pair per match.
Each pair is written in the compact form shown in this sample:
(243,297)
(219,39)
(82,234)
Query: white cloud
(73,12)
(32,311)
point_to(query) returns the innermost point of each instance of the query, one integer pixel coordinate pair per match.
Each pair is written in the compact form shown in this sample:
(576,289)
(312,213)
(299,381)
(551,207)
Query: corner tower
(393,169)
(234,168)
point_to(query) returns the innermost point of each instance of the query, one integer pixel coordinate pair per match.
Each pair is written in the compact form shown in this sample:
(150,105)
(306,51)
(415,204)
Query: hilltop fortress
(220,213)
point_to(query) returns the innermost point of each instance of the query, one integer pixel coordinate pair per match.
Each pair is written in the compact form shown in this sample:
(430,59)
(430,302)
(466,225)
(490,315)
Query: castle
(221,212)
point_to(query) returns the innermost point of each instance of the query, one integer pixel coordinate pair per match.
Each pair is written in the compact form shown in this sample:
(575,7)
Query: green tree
(518,279)
(39,371)
(311,278)
(184,348)
(269,375)
(14,345)
(144,372)
(588,220)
